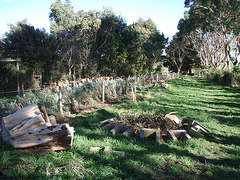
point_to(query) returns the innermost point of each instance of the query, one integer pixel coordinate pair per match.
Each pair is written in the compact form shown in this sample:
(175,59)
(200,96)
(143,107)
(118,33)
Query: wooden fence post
(126,85)
(60,101)
(135,89)
(22,89)
(18,81)
(45,114)
(103,92)
(144,80)
(133,94)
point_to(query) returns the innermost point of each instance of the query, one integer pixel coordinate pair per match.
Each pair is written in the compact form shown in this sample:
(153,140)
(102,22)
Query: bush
(224,77)
(236,75)
(227,78)
(74,97)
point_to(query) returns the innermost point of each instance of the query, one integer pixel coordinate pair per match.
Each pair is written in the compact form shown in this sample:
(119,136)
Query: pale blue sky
(165,13)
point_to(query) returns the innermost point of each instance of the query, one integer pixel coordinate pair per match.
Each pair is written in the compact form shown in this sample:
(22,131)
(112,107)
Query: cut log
(33,129)
(26,130)
(42,136)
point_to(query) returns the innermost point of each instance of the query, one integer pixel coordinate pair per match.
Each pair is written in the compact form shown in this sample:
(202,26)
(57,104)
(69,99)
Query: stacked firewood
(28,130)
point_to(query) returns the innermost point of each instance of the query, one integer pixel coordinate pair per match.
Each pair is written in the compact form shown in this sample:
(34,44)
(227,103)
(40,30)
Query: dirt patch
(64,119)
(85,109)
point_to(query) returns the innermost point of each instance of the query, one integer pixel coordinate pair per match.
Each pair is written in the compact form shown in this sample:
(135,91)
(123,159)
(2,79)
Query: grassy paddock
(215,157)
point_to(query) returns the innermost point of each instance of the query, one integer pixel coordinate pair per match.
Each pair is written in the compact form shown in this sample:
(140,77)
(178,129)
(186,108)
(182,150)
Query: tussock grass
(214,157)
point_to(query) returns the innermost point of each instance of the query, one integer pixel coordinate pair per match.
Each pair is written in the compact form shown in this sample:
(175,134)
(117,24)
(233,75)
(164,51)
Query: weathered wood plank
(32,121)
(27,116)
(20,113)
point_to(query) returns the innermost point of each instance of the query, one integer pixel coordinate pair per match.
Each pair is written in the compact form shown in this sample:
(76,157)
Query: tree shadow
(220,139)
(198,83)
(232,122)
(226,103)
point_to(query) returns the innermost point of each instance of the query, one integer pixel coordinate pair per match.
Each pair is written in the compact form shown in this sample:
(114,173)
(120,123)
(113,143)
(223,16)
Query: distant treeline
(80,44)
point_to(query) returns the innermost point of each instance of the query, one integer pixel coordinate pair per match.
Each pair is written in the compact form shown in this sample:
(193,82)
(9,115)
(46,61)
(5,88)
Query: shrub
(224,77)
(227,78)
(72,98)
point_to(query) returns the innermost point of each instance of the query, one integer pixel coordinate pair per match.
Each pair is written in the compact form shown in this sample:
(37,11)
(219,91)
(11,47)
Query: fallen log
(26,130)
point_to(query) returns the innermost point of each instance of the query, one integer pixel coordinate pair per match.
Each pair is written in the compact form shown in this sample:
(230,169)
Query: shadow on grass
(89,120)
(233,122)
(220,139)
(227,103)
(195,82)
(137,163)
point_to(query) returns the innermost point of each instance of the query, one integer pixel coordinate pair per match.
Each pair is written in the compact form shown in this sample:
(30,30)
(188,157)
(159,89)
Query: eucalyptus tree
(62,22)
(213,27)
(76,33)
(176,53)
(152,43)
(85,34)
(62,17)
(182,56)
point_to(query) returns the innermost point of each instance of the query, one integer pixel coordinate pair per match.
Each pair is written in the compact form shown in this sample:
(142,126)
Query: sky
(165,13)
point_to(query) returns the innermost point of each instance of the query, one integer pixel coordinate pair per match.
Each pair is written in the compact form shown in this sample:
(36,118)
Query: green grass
(215,157)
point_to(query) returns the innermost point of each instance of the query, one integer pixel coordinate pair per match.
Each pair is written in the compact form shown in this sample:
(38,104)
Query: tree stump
(26,130)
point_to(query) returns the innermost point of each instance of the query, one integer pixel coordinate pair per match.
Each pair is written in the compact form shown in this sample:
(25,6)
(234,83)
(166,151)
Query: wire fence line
(72,97)
(72,84)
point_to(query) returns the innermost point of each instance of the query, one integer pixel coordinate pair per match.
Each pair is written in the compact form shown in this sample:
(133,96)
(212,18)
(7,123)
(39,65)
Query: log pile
(28,131)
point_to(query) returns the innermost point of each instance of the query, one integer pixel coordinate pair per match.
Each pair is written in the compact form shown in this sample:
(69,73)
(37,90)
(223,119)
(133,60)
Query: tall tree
(109,50)
(33,47)
(86,36)
(62,17)
(154,49)
(176,53)
(152,43)
(76,33)
(213,26)
(135,61)
(63,20)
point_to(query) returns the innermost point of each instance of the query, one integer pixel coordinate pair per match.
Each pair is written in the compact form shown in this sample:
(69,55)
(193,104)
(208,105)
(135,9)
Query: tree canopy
(83,44)
(36,49)
(210,30)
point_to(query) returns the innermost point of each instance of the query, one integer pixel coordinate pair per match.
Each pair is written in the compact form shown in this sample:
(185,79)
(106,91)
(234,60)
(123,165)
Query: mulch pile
(148,121)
